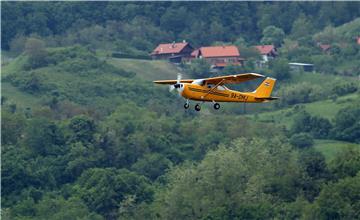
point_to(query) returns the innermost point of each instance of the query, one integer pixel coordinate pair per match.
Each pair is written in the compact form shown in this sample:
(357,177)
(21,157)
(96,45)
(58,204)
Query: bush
(280,68)
(130,56)
(344,88)
(302,140)
(347,124)
(317,126)
(199,68)
(35,49)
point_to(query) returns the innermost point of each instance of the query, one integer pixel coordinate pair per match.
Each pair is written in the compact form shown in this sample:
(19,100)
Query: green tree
(280,68)
(43,137)
(302,27)
(302,140)
(339,200)
(35,49)
(83,129)
(273,35)
(347,126)
(346,163)
(53,207)
(243,179)
(199,68)
(12,127)
(103,189)
(152,165)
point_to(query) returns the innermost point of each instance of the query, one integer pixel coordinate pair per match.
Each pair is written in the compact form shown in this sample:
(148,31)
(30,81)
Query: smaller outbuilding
(267,52)
(299,67)
(325,47)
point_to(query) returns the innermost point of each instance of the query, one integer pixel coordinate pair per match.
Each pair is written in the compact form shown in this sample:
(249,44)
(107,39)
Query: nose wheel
(216,106)
(197,107)
(186,105)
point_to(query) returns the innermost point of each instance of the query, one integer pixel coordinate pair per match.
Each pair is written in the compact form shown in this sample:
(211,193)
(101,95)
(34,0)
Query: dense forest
(86,135)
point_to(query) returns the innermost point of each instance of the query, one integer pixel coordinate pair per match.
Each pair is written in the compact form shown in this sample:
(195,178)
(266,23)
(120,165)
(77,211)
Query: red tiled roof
(265,49)
(169,48)
(217,51)
(358,40)
(324,47)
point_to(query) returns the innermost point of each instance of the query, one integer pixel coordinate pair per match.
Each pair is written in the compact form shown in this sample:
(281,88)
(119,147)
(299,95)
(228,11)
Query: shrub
(302,140)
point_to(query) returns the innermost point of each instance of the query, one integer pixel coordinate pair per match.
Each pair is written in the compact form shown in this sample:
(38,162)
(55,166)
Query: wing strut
(213,88)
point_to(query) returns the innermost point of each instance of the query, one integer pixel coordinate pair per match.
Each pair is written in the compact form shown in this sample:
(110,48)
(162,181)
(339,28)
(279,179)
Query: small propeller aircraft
(214,89)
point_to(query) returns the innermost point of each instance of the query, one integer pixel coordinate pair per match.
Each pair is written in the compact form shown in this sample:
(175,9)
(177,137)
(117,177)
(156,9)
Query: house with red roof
(219,56)
(358,40)
(267,52)
(173,52)
(324,47)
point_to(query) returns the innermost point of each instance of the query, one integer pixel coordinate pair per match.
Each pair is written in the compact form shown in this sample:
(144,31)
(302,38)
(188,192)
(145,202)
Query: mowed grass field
(148,69)
(330,148)
(325,108)
(16,96)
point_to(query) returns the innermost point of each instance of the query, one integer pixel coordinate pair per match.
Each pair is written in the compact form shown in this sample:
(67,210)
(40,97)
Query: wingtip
(257,74)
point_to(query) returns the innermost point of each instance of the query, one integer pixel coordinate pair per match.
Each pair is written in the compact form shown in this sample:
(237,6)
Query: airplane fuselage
(219,94)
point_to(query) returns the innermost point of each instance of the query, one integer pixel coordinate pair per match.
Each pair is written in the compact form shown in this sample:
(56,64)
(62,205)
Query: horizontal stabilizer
(268,98)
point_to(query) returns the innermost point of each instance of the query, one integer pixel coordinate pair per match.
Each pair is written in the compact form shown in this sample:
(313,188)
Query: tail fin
(265,89)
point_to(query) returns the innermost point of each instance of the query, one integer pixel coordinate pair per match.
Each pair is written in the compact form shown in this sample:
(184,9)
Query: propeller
(178,86)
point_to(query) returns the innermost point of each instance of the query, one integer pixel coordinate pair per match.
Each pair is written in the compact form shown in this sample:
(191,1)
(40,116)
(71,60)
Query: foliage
(319,127)
(280,68)
(302,140)
(85,139)
(339,200)
(235,178)
(347,163)
(199,68)
(273,35)
(347,126)
(301,93)
(102,189)
(35,49)
(54,207)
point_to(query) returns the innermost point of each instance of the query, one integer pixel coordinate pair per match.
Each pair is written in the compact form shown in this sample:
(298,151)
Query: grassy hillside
(330,148)
(21,99)
(148,69)
(79,76)
(325,108)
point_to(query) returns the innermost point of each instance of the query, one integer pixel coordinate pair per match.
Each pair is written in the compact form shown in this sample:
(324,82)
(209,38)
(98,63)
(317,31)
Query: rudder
(265,88)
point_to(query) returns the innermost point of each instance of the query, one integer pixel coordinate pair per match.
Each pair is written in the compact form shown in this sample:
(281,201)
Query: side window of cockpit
(221,88)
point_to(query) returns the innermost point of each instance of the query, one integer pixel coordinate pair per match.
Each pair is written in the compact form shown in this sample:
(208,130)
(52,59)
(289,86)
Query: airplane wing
(173,81)
(233,79)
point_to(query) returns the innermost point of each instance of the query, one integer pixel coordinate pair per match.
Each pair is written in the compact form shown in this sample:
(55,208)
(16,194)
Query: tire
(197,107)
(216,106)
(186,105)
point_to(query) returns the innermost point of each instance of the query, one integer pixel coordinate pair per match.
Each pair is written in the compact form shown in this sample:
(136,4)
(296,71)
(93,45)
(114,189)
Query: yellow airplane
(214,89)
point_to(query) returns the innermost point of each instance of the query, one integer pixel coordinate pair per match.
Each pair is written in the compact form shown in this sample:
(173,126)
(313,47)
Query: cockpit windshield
(222,88)
(198,82)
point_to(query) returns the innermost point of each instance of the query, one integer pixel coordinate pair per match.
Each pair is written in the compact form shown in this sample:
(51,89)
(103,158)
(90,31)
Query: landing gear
(216,106)
(186,105)
(197,107)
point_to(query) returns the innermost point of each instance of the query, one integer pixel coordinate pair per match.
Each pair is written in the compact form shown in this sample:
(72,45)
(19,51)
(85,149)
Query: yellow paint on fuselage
(201,93)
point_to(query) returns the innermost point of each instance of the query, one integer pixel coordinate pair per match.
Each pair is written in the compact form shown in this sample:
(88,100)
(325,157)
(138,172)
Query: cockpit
(199,82)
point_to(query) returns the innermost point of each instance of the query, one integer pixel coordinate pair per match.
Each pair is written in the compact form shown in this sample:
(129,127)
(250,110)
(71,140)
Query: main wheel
(186,105)
(197,107)
(216,106)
